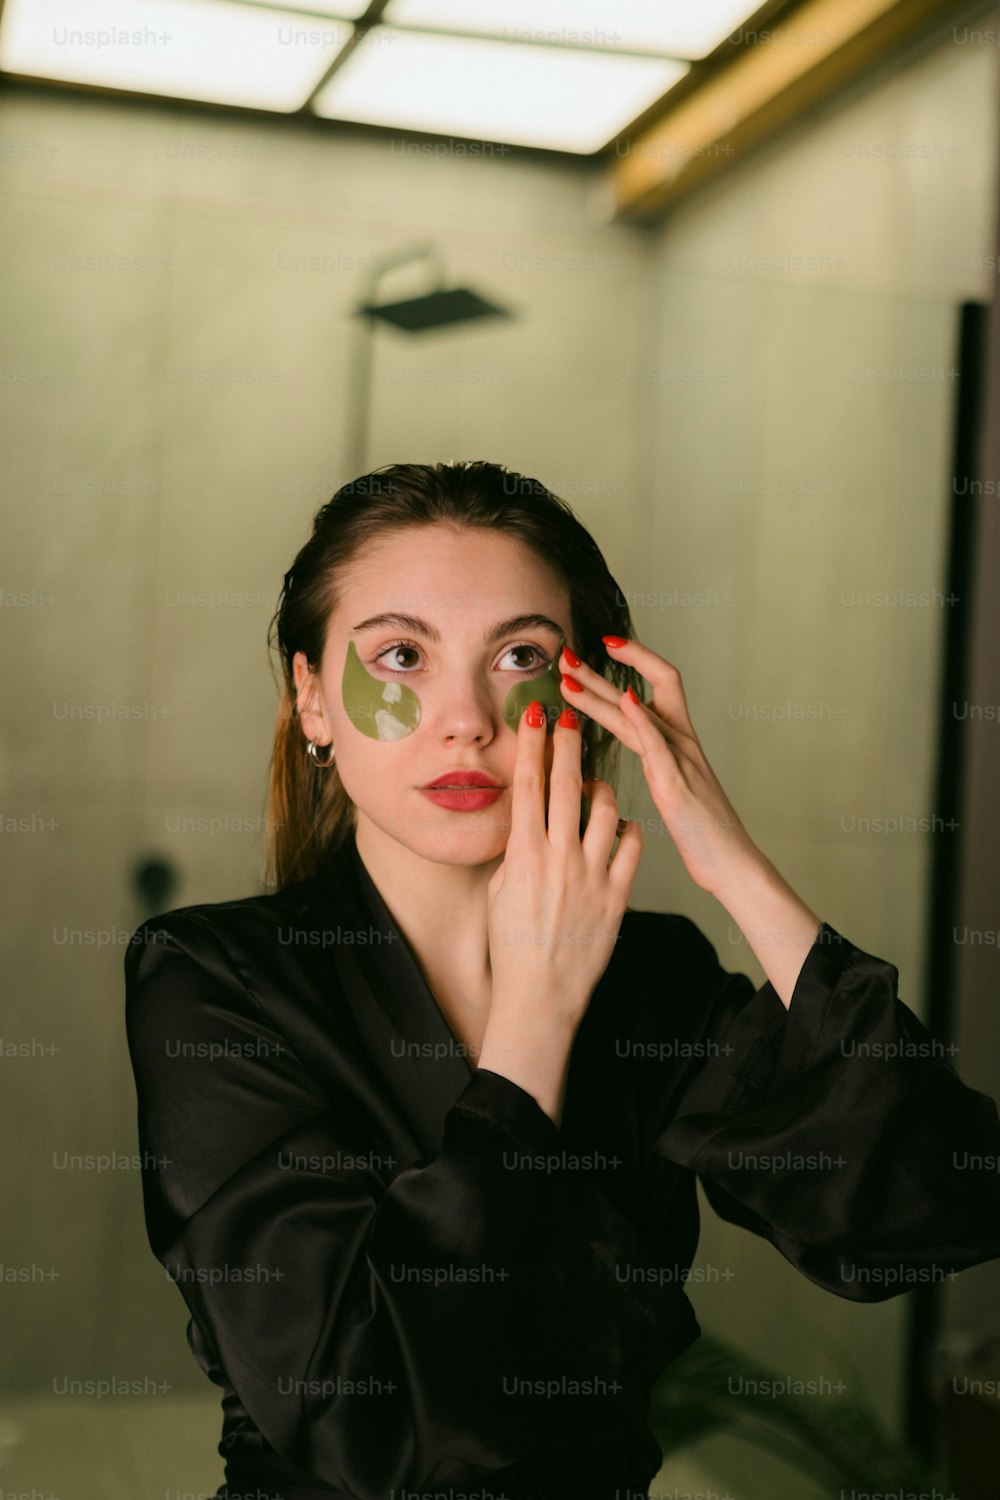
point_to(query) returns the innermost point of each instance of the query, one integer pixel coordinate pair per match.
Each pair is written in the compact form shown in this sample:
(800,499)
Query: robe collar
(406,1036)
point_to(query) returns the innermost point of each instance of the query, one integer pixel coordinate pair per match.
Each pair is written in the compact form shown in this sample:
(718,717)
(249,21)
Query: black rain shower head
(434,310)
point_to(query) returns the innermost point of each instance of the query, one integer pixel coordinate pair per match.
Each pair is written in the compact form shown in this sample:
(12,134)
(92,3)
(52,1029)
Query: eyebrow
(516,625)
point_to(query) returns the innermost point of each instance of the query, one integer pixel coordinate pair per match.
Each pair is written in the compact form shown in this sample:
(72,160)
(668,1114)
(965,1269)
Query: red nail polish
(572,684)
(568,718)
(632,695)
(572,657)
(535,715)
(614,640)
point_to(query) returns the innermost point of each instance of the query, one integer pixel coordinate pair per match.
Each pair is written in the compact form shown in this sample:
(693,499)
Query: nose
(467,711)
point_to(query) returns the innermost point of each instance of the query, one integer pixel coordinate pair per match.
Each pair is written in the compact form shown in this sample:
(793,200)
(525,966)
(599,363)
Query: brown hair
(309,812)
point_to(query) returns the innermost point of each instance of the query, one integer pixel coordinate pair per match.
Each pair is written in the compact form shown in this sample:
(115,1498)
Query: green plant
(837,1441)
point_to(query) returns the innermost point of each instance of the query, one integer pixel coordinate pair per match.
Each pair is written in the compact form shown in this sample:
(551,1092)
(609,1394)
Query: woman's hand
(696,812)
(556,903)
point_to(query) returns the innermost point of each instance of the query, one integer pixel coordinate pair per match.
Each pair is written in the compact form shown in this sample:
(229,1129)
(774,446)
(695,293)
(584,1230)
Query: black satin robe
(406,1279)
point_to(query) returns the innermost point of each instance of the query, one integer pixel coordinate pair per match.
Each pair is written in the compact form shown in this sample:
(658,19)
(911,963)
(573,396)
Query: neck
(439,907)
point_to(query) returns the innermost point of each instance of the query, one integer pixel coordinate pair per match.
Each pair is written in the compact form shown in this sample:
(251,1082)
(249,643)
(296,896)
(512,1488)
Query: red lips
(463,779)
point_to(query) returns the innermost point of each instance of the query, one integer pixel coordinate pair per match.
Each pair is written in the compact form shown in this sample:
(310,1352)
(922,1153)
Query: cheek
(381,710)
(543,689)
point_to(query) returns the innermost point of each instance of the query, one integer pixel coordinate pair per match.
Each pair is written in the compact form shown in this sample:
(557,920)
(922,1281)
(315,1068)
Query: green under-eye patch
(391,710)
(543,689)
(381,710)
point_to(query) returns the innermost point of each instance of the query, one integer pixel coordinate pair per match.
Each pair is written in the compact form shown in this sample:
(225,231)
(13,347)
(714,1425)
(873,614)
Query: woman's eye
(534,651)
(390,652)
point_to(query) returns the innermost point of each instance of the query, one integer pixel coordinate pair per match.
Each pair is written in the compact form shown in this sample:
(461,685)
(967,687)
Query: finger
(599,699)
(578,671)
(565,782)
(607,826)
(609,716)
(621,726)
(625,861)
(602,824)
(591,696)
(659,758)
(527,813)
(669,699)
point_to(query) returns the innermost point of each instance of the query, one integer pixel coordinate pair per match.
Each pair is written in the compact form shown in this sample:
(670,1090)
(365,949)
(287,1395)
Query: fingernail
(568,718)
(572,684)
(535,714)
(572,657)
(614,640)
(632,695)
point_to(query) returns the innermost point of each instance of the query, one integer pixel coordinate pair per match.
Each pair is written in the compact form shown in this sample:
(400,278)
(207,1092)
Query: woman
(424,1123)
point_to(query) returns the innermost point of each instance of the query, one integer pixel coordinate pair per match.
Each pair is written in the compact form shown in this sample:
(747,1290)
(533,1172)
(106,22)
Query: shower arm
(358,395)
(395,258)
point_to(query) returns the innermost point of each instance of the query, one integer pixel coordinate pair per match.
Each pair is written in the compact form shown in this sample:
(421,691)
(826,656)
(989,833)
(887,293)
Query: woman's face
(456,667)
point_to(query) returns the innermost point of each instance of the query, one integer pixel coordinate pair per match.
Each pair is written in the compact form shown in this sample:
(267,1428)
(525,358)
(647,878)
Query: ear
(309,700)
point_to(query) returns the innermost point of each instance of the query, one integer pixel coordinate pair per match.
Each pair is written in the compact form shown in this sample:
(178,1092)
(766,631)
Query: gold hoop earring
(322,764)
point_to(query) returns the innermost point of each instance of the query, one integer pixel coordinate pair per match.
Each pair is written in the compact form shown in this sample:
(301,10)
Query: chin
(465,839)
(434,833)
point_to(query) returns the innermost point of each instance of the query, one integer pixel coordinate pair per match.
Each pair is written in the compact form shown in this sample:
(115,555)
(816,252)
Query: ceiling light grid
(558,75)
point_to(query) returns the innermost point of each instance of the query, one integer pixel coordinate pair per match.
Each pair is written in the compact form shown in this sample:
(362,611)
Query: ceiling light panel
(347,10)
(490,91)
(216,51)
(676,28)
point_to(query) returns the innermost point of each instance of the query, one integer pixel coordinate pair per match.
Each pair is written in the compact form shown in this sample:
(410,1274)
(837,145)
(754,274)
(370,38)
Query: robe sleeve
(838,1129)
(374,1316)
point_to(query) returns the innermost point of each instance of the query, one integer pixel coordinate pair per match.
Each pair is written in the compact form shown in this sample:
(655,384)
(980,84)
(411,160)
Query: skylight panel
(674,28)
(491,91)
(209,50)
